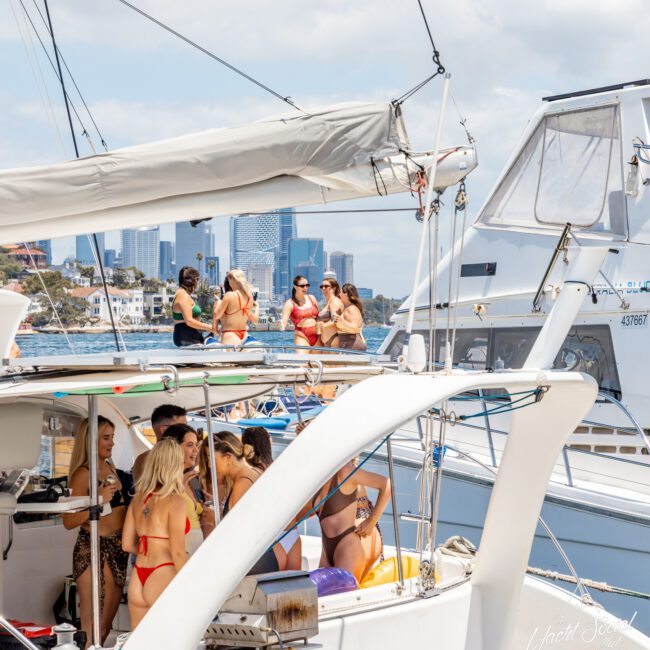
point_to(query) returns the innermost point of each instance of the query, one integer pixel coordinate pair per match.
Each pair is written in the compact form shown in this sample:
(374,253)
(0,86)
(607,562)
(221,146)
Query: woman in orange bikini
(155,527)
(302,309)
(235,310)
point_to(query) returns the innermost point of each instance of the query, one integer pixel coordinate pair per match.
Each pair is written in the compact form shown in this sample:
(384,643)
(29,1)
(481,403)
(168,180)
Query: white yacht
(579,177)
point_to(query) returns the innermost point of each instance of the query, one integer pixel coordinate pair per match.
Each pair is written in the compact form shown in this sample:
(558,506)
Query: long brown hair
(353,295)
(293,290)
(188,279)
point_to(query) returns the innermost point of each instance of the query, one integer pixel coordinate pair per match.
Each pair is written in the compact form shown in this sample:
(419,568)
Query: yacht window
(570,170)
(511,346)
(589,349)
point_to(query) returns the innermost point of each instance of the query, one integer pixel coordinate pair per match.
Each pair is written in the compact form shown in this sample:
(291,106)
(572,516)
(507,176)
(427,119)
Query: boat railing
(633,428)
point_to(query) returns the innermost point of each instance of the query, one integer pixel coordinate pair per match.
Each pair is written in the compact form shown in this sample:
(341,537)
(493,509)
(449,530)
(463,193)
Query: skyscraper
(84,249)
(260,276)
(192,241)
(343,265)
(141,248)
(263,240)
(287,231)
(306,259)
(110,255)
(166,260)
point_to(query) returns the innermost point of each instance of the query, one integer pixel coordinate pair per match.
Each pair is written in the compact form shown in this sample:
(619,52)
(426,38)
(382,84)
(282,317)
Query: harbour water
(55,344)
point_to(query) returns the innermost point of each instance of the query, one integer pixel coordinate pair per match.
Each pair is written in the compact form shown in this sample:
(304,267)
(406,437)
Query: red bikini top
(143,542)
(308,310)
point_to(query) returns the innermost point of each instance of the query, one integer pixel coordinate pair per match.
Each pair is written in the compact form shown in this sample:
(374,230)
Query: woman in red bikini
(235,310)
(302,310)
(155,527)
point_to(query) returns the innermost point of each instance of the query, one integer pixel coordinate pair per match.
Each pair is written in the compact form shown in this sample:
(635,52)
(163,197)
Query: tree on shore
(70,310)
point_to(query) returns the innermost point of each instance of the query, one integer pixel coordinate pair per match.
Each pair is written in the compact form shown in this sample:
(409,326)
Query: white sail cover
(130,186)
(331,153)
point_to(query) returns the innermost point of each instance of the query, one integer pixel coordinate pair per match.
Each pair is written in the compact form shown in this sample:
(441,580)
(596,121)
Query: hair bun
(248,452)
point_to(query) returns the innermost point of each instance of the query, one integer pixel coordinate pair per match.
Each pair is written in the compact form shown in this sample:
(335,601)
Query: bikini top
(308,310)
(246,310)
(196,312)
(143,542)
(226,505)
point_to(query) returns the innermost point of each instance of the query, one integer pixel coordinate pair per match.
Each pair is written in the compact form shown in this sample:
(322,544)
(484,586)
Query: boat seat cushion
(20,435)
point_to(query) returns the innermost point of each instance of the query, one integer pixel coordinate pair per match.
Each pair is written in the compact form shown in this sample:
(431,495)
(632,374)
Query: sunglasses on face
(303,286)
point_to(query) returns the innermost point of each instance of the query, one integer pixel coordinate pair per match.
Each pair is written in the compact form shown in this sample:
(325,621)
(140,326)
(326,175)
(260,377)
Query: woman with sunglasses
(350,323)
(302,309)
(333,307)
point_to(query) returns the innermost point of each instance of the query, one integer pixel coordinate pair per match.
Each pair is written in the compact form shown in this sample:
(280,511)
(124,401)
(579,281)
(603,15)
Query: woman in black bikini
(112,558)
(345,543)
(232,460)
(350,323)
(155,527)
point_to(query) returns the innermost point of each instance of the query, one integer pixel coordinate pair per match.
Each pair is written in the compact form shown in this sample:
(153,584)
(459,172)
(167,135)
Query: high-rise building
(343,265)
(166,260)
(287,232)
(141,248)
(263,240)
(110,255)
(261,277)
(84,249)
(193,245)
(45,245)
(306,259)
(213,271)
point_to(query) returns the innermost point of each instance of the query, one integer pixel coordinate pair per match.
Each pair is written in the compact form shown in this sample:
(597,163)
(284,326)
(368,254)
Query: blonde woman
(155,527)
(235,310)
(113,560)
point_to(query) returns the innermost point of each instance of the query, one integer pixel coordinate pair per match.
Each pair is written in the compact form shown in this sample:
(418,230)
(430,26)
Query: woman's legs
(85,604)
(350,556)
(137,605)
(294,557)
(112,597)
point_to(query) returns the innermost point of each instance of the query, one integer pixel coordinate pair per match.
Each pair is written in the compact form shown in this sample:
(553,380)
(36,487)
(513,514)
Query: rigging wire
(49,297)
(74,140)
(287,99)
(49,58)
(440,69)
(39,79)
(74,83)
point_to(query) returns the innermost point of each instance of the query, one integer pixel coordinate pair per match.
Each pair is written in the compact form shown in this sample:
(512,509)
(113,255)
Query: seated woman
(188,440)
(302,309)
(350,323)
(289,547)
(326,327)
(185,311)
(235,310)
(344,540)
(232,458)
(113,560)
(155,528)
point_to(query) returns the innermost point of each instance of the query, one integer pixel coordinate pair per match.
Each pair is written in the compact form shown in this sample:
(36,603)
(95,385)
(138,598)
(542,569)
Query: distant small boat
(24,329)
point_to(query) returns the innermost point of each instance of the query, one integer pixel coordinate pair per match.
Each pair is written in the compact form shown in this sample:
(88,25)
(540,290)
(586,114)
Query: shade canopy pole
(93,517)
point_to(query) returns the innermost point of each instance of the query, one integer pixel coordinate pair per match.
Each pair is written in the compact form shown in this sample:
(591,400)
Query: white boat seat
(20,435)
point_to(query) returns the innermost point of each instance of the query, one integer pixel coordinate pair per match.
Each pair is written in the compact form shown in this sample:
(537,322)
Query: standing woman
(333,307)
(185,311)
(188,440)
(155,528)
(350,323)
(113,560)
(302,309)
(235,310)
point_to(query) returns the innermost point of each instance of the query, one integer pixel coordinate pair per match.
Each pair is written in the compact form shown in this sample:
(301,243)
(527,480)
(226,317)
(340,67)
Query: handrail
(17,634)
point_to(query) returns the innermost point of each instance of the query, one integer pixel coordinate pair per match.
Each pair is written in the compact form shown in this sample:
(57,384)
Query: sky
(143,84)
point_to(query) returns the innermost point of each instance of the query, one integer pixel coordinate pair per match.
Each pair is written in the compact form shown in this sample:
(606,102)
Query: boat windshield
(570,170)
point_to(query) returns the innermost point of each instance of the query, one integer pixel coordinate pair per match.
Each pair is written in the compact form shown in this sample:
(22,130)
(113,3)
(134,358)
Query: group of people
(233,309)
(338,324)
(163,510)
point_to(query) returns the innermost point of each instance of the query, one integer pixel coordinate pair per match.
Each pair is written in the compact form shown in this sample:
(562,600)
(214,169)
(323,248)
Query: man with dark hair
(162,418)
